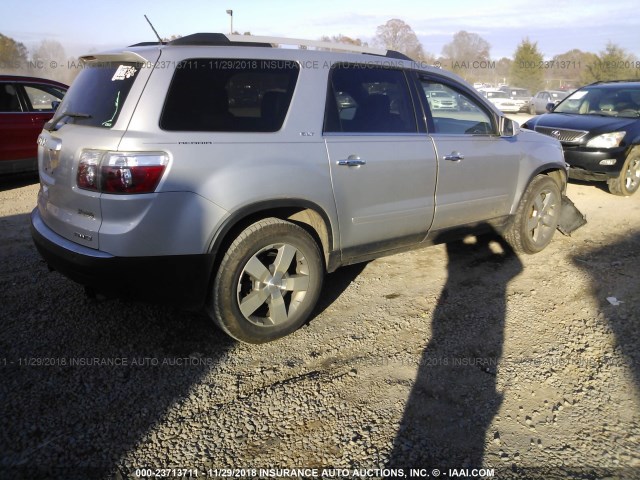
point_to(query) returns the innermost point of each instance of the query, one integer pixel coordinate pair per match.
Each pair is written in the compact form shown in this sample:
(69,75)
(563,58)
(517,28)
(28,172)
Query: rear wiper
(51,125)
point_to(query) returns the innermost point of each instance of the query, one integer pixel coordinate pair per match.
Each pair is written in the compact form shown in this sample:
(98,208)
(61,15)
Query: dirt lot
(452,357)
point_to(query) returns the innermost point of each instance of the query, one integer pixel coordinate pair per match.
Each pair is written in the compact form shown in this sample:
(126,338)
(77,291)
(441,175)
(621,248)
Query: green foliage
(614,63)
(13,55)
(566,70)
(526,69)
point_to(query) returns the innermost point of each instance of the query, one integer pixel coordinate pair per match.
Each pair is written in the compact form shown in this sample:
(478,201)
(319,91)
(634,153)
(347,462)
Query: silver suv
(222,172)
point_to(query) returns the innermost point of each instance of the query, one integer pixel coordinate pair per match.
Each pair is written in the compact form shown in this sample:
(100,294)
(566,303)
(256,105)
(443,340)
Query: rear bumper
(176,279)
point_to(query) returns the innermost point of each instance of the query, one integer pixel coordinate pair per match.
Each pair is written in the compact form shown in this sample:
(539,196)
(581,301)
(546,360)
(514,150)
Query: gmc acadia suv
(221,172)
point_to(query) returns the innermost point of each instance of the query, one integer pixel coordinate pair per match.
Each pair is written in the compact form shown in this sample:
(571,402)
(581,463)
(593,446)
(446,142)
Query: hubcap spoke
(255,269)
(296,283)
(284,258)
(253,301)
(277,308)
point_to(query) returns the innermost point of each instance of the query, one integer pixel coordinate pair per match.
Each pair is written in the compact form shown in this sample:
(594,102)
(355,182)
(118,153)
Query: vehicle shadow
(599,185)
(335,284)
(17,180)
(613,272)
(454,397)
(85,382)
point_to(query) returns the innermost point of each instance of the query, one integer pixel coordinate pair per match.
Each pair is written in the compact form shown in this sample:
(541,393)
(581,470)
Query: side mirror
(507,127)
(549,107)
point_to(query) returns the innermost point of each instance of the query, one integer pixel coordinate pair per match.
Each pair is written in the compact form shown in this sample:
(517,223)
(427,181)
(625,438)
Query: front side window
(453,111)
(368,99)
(229,95)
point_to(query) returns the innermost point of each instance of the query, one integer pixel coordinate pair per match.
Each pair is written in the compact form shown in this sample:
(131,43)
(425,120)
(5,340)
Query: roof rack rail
(218,39)
(221,39)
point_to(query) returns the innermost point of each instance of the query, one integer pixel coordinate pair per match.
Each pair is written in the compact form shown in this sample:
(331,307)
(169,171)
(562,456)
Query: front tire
(532,227)
(629,179)
(268,282)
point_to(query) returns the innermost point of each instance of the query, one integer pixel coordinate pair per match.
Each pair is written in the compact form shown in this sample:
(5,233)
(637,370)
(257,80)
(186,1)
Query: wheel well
(307,218)
(558,176)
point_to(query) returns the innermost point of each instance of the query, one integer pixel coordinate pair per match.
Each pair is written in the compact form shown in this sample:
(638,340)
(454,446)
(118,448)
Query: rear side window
(43,97)
(100,91)
(9,102)
(369,99)
(229,95)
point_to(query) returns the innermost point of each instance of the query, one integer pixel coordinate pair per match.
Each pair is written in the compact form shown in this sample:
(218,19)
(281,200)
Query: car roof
(27,79)
(615,84)
(243,46)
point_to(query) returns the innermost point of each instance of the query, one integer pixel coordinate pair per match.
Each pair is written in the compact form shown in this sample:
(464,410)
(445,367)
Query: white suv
(221,172)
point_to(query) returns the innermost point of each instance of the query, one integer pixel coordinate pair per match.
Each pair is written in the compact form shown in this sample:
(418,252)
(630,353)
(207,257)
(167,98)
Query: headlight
(606,140)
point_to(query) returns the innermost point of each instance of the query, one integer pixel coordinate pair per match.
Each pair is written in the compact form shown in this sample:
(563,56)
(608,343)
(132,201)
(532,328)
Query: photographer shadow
(454,398)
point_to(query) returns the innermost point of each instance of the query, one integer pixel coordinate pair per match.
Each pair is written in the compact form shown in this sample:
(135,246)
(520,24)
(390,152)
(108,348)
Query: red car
(26,104)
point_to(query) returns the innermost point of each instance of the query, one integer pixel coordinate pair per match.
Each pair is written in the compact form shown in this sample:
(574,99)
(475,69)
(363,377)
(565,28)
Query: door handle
(454,157)
(352,161)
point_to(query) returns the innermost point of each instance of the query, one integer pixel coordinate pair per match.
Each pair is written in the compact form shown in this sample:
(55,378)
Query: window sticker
(123,72)
(578,95)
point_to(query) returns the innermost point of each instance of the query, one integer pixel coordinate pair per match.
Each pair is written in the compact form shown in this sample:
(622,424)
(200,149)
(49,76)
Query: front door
(477,167)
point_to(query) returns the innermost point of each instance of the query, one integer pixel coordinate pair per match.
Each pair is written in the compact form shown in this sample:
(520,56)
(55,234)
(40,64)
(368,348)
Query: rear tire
(628,181)
(536,219)
(268,282)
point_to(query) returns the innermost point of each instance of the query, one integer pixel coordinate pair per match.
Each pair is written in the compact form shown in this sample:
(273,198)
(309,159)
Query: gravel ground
(452,357)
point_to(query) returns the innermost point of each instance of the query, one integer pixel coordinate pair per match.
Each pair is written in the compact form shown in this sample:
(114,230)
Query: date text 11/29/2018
(310,473)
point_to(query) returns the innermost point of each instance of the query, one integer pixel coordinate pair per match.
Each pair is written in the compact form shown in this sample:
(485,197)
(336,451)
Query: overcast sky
(557,25)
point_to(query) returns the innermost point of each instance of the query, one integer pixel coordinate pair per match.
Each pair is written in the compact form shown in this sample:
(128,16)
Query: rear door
(17,132)
(383,169)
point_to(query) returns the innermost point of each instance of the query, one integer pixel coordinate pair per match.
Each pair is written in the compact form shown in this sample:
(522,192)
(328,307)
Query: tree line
(467,54)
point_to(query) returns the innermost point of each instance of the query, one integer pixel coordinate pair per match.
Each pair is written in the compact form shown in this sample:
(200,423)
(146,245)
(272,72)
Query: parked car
(538,104)
(26,104)
(599,128)
(155,185)
(439,100)
(501,100)
(521,96)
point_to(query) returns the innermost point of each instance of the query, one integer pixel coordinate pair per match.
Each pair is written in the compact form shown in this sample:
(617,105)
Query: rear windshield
(100,91)
(229,95)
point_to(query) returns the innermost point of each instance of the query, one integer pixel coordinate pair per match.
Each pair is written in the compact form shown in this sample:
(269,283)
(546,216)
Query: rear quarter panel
(234,170)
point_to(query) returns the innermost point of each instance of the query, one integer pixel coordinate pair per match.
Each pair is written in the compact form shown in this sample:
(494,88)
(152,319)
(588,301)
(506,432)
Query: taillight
(88,169)
(115,172)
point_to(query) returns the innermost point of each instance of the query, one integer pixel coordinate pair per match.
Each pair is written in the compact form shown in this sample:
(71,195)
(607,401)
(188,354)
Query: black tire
(628,181)
(536,219)
(268,282)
